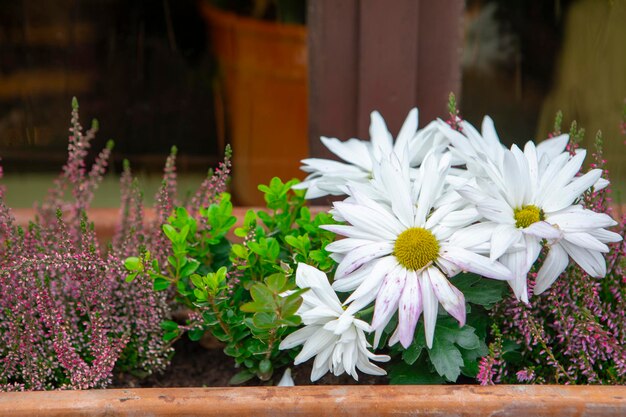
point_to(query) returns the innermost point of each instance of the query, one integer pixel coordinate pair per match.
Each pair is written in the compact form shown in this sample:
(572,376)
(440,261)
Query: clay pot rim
(361,400)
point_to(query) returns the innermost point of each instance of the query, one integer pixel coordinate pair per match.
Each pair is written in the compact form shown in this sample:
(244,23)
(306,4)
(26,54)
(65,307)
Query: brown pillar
(379,55)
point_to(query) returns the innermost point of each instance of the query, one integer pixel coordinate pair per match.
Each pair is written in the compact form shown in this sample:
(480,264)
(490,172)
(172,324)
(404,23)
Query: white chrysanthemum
(532,196)
(402,255)
(334,336)
(330,177)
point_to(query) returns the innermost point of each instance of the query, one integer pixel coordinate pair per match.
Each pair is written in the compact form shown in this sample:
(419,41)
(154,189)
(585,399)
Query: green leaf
(169,325)
(293,321)
(190,267)
(197,281)
(479,290)
(445,357)
(240,251)
(200,294)
(464,336)
(276,282)
(265,367)
(289,307)
(131,277)
(254,307)
(401,373)
(241,377)
(195,334)
(273,248)
(160,284)
(262,295)
(170,232)
(133,263)
(170,335)
(264,320)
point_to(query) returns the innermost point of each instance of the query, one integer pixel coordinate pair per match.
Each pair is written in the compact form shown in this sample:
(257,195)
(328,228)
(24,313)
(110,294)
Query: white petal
(320,340)
(353,151)
(367,291)
(409,309)
(398,189)
(434,169)
(555,263)
(543,230)
(286,380)
(504,235)
(318,314)
(298,337)
(408,130)
(350,231)
(326,166)
(369,368)
(601,184)
(346,245)
(388,296)
(591,261)
(565,197)
(362,255)
(382,141)
(451,299)
(530,152)
(553,146)
(430,303)
(310,277)
(473,235)
(384,225)
(494,210)
(516,262)
(515,178)
(577,220)
(469,261)
(321,365)
(605,236)
(353,280)
(461,218)
(586,240)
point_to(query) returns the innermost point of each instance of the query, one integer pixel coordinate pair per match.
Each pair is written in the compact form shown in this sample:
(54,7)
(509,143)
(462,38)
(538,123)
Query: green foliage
(245,293)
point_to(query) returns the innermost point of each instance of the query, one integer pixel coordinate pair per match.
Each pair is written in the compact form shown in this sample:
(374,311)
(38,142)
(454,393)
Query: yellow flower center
(527,215)
(415,248)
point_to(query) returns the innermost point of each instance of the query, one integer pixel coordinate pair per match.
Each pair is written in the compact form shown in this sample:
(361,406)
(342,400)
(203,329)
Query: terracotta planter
(336,401)
(262,95)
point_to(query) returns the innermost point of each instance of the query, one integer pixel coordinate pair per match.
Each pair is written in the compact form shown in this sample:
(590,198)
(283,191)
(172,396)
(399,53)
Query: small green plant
(244,294)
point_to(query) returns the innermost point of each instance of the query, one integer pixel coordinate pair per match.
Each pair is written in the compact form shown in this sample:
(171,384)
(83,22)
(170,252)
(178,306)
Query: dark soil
(196,366)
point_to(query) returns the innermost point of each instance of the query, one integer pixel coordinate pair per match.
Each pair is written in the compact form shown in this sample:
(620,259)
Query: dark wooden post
(369,55)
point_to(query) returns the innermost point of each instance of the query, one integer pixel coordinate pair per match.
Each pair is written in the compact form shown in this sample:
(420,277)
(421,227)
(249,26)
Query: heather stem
(542,342)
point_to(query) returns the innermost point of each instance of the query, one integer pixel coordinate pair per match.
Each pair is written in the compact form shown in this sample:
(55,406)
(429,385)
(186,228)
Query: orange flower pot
(261,95)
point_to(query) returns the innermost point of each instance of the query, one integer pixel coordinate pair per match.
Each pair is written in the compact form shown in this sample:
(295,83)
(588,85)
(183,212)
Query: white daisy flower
(530,198)
(333,335)
(330,177)
(402,255)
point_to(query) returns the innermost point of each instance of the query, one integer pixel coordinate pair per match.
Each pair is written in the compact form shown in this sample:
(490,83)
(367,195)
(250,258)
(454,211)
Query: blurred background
(271,76)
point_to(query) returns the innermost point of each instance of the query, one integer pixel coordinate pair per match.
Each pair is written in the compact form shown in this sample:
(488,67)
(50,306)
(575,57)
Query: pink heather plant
(67,317)
(576,332)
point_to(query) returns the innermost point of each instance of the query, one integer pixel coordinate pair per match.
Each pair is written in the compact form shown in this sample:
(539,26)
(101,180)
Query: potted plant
(261,84)
(74,313)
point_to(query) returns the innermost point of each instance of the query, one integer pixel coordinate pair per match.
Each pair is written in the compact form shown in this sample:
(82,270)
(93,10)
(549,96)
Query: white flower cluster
(419,211)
